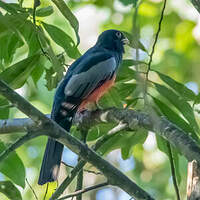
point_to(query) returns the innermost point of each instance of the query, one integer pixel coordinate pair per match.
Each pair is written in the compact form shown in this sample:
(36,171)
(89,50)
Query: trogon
(86,80)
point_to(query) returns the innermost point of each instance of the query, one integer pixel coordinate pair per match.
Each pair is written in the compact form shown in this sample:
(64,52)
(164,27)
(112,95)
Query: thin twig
(68,180)
(156,39)
(84,190)
(46,191)
(136,31)
(171,160)
(35,5)
(79,184)
(31,189)
(16,144)
(152,51)
(85,170)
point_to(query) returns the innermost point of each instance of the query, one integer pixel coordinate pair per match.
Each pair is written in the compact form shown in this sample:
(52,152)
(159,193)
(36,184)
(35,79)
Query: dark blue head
(113,40)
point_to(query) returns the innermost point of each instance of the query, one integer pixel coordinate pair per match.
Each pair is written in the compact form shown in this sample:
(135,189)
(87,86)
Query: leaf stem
(171,160)
(153,49)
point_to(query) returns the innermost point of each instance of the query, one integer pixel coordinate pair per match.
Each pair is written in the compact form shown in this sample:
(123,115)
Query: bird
(86,81)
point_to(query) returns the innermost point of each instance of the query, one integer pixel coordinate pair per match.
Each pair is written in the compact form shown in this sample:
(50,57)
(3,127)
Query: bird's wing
(86,74)
(82,84)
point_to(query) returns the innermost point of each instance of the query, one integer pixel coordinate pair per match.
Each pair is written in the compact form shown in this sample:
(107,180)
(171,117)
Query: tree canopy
(159,77)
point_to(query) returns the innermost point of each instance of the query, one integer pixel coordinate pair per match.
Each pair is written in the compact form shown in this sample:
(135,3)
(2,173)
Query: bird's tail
(51,162)
(53,154)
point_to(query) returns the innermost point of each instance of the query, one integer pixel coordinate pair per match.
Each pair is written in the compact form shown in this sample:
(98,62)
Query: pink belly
(98,93)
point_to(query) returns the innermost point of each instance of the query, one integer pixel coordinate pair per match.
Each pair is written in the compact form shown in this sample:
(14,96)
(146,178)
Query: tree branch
(85,170)
(171,160)
(81,163)
(134,119)
(68,180)
(114,176)
(17,125)
(156,39)
(84,190)
(193,181)
(196,4)
(17,144)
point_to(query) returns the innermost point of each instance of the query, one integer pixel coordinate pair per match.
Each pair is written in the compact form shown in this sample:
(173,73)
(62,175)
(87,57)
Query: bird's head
(113,40)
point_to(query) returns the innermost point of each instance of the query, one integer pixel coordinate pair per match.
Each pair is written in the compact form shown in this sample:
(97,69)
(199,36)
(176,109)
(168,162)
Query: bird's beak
(125,41)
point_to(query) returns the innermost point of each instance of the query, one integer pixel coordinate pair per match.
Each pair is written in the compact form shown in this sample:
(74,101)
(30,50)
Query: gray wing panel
(80,85)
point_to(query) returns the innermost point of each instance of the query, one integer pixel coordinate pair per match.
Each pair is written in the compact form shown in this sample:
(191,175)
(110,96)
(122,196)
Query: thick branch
(134,119)
(81,163)
(114,176)
(16,125)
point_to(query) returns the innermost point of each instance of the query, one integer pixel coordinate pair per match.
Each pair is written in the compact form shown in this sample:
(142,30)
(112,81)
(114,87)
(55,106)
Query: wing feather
(82,84)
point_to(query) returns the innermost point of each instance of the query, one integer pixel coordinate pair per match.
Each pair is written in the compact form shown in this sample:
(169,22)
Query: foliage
(34,56)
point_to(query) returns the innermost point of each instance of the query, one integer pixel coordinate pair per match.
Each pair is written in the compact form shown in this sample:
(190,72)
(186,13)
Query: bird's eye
(119,35)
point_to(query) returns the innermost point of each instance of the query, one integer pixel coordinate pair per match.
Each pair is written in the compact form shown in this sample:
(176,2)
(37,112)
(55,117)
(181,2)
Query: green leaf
(128,2)
(4,109)
(139,137)
(8,7)
(163,146)
(37,72)
(174,117)
(30,35)
(125,89)
(55,73)
(43,12)
(97,131)
(125,72)
(131,62)
(13,167)
(67,13)
(63,40)
(9,190)
(17,74)
(133,41)
(183,106)
(197,99)
(111,98)
(12,22)
(122,140)
(176,157)
(13,44)
(52,81)
(181,89)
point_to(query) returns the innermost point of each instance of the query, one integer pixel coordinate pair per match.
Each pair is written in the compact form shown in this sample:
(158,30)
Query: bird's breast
(98,93)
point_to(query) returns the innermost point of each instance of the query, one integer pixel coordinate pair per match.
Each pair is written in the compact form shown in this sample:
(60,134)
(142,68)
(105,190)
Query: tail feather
(53,152)
(51,162)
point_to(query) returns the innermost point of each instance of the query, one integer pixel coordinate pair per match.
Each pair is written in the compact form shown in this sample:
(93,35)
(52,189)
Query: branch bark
(50,128)
(196,4)
(193,181)
(82,163)
(134,119)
